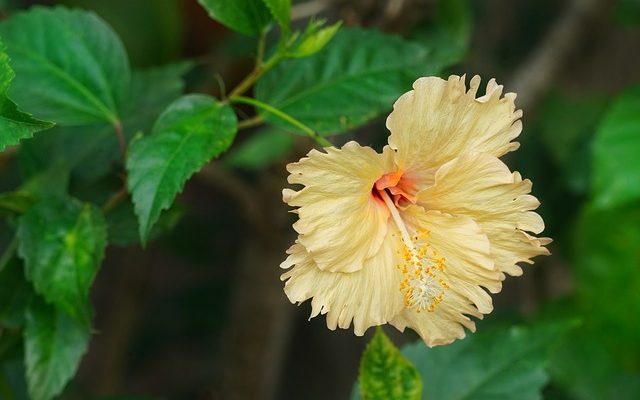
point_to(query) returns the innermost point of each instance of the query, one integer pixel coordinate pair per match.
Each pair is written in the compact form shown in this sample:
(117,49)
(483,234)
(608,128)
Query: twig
(122,142)
(250,122)
(537,73)
(118,197)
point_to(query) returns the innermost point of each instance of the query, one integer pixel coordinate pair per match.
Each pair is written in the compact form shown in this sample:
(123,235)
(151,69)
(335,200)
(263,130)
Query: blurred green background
(200,313)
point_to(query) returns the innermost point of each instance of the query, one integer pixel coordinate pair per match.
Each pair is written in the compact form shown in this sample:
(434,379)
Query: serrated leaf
(14,124)
(123,224)
(260,150)
(62,242)
(92,151)
(192,131)
(281,11)
(70,66)
(616,166)
(54,344)
(245,16)
(385,374)
(500,364)
(355,78)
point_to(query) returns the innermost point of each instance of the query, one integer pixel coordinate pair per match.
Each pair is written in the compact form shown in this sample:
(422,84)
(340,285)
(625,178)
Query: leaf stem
(250,122)
(260,68)
(116,199)
(117,126)
(283,116)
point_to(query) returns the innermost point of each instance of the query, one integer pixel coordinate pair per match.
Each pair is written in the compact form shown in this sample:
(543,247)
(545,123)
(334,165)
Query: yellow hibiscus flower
(417,235)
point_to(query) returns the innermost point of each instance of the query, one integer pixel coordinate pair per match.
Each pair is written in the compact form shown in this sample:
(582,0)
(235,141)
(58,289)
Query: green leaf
(616,166)
(314,39)
(608,278)
(281,11)
(14,124)
(355,78)
(92,151)
(54,344)
(627,12)
(15,293)
(192,131)
(16,202)
(245,16)
(385,374)
(500,364)
(449,35)
(123,224)
(260,150)
(70,66)
(62,242)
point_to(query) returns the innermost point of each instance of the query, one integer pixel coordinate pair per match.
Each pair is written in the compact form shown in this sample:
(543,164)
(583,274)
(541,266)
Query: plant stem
(117,126)
(116,199)
(250,122)
(260,69)
(283,116)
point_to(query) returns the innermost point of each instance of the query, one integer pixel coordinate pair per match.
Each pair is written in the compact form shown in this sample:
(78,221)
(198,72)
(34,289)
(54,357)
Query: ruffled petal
(482,187)
(340,223)
(369,297)
(440,120)
(467,270)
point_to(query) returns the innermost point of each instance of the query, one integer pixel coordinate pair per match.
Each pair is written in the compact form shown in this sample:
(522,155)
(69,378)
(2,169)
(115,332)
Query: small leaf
(385,374)
(192,131)
(500,364)
(314,39)
(14,124)
(616,167)
(245,16)
(62,242)
(281,11)
(355,78)
(260,150)
(70,66)
(54,344)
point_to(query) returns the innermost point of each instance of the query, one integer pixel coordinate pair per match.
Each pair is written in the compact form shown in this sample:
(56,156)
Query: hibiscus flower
(419,235)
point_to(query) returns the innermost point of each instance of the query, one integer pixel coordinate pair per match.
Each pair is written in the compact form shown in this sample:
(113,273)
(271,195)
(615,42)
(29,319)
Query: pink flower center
(400,188)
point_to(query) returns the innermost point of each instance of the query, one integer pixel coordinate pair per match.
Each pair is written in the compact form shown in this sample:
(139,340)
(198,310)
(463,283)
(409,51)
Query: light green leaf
(70,66)
(14,124)
(385,374)
(314,39)
(355,78)
(616,166)
(54,344)
(62,242)
(245,16)
(281,11)
(92,151)
(260,150)
(192,131)
(507,364)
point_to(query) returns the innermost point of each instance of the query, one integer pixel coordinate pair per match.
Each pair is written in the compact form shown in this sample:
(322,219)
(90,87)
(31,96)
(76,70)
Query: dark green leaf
(15,293)
(54,344)
(281,11)
(62,243)
(14,124)
(245,16)
(500,364)
(70,66)
(385,374)
(123,224)
(355,78)
(627,12)
(16,202)
(260,150)
(616,166)
(192,131)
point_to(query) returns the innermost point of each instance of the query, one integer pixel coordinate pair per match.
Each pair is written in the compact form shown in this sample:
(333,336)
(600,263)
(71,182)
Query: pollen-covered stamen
(423,286)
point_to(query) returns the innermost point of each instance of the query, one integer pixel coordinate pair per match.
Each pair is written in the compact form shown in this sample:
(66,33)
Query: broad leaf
(385,374)
(54,344)
(245,16)
(616,166)
(281,11)
(92,151)
(70,66)
(260,150)
(14,124)
(356,77)
(62,242)
(192,131)
(15,293)
(500,364)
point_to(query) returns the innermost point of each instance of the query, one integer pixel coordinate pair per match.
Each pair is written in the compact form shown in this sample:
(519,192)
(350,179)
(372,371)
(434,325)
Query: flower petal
(439,120)
(482,187)
(468,269)
(340,223)
(369,297)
